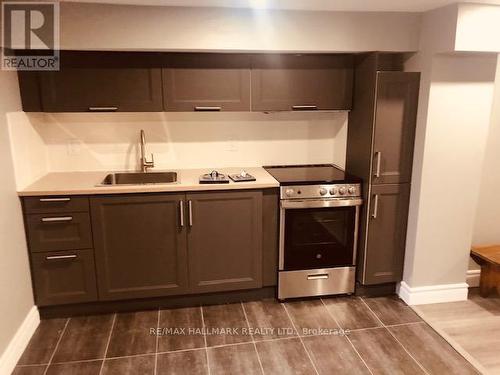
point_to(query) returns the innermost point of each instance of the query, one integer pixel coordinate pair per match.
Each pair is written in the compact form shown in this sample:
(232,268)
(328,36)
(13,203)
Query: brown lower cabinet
(225,241)
(386,237)
(140,246)
(64,277)
(166,244)
(152,245)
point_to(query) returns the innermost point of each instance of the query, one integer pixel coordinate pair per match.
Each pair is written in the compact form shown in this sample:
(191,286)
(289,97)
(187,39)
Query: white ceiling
(327,5)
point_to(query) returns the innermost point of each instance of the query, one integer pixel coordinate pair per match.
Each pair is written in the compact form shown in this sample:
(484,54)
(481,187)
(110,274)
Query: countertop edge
(84,183)
(148,189)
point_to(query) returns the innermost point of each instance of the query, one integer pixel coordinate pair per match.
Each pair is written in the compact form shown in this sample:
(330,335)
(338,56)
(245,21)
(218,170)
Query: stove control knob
(351,190)
(323,191)
(289,192)
(342,190)
(333,191)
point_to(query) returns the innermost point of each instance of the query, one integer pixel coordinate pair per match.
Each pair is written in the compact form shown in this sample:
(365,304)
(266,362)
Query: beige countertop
(75,183)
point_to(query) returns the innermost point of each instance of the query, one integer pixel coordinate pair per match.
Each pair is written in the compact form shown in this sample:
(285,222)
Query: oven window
(319,237)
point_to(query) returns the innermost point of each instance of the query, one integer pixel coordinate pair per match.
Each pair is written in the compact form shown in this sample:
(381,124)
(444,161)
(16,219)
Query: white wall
(86,141)
(478,28)
(456,130)
(29,153)
(16,297)
(437,34)
(112,27)
(487,224)
(453,121)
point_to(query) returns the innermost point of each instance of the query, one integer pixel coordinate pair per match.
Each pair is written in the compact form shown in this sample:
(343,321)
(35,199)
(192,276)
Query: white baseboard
(473,277)
(422,295)
(19,342)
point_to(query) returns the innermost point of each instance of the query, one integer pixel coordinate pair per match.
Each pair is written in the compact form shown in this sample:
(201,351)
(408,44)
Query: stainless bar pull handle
(320,203)
(58,257)
(56,219)
(55,199)
(103,109)
(375,207)
(207,109)
(190,209)
(304,107)
(181,212)
(378,155)
(317,276)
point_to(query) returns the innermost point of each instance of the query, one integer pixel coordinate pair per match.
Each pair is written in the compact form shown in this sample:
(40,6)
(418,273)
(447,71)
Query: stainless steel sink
(139,178)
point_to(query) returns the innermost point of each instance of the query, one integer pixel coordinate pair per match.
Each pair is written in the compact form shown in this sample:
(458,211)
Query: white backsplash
(109,141)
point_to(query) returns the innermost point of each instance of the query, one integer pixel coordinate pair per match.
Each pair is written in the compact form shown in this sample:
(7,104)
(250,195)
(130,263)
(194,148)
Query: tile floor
(264,337)
(472,326)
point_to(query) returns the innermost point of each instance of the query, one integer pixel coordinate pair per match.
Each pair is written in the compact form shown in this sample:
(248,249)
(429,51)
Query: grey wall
(16,298)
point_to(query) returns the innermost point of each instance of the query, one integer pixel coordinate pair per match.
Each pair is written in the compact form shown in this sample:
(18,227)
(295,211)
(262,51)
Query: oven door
(318,234)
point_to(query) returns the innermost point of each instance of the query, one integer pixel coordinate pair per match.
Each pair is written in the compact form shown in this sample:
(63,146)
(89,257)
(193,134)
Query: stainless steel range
(319,213)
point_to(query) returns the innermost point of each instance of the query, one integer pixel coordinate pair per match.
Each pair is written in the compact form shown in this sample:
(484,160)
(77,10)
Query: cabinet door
(101,89)
(225,240)
(64,277)
(140,245)
(395,121)
(207,82)
(385,246)
(286,83)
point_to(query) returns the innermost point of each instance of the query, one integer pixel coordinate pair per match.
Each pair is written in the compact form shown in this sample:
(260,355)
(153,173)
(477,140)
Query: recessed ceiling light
(258,4)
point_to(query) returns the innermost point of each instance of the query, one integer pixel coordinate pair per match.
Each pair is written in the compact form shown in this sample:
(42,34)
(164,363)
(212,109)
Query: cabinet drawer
(318,282)
(49,232)
(42,205)
(64,277)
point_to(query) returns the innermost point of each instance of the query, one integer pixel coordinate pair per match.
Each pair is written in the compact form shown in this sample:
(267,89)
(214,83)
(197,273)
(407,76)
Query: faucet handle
(150,164)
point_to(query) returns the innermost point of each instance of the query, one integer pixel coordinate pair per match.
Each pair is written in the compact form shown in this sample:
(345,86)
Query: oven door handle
(320,203)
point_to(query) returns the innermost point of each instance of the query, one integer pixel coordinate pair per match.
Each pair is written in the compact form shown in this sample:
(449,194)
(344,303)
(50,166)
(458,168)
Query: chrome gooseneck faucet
(145,164)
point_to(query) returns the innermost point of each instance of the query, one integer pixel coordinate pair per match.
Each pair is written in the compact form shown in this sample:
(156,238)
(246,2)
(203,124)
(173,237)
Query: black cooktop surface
(310,174)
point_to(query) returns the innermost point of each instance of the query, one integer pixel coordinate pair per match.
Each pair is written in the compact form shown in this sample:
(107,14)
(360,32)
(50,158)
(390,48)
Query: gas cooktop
(313,174)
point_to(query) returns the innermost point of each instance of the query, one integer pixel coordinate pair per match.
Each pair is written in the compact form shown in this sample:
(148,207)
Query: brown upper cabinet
(101,90)
(207,82)
(95,82)
(301,82)
(154,82)
(395,116)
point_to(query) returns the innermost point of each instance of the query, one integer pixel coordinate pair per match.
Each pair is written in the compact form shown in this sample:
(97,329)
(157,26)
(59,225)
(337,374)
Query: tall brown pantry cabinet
(380,150)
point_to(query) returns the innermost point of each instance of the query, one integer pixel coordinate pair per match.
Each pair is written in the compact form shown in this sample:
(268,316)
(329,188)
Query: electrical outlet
(232,145)
(74,147)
